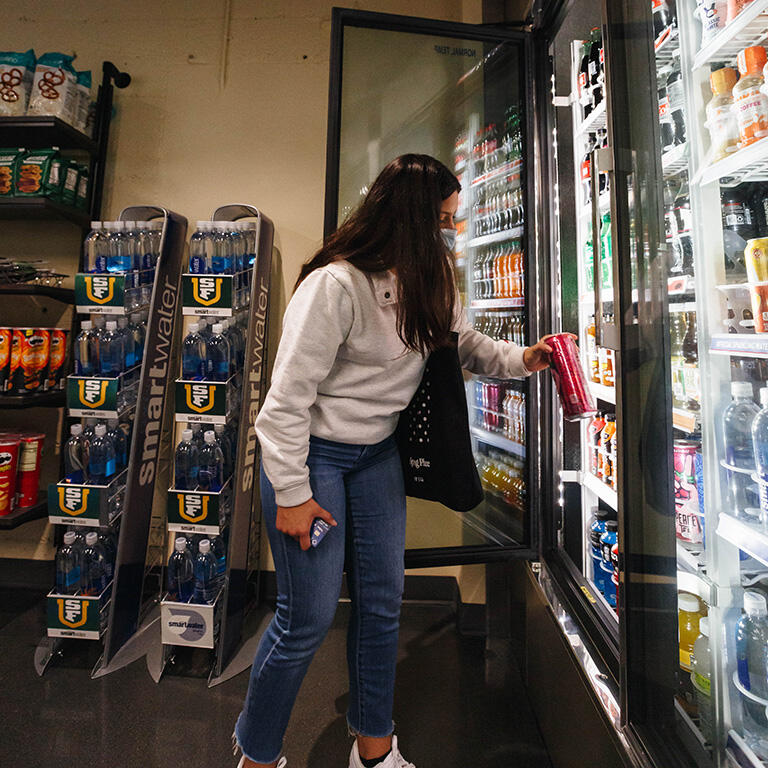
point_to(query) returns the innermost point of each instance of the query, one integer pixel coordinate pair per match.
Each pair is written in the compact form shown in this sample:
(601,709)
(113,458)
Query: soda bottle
(684,237)
(663,19)
(205,573)
(69,565)
(94,578)
(607,540)
(86,350)
(211,474)
(224,441)
(111,352)
(201,249)
(596,530)
(218,355)
(96,249)
(129,343)
(596,75)
(101,461)
(691,364)
(585,97)
(219,552)
(194,361)
(751,642)
(701,677)
(676,103)
(738,227)
(186,463)
(120,443)
(76,456)
(181,572)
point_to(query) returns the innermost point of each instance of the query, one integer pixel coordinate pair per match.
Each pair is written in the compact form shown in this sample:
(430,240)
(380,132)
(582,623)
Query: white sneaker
(393,760)
(281,763)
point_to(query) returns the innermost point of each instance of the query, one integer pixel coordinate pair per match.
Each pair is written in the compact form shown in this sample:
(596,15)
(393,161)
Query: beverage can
(9,457)
(57,358)
(6,340)
(756,259)
(758,293)
(28,471)
(689,520)
(571,383)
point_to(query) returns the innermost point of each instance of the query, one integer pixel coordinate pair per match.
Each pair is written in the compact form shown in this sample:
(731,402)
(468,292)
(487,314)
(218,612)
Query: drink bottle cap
(111,325)
(764,397)
(754,602)
(99,321)
(751,60)
(217,328)
(204,546)
(91,538)
(69,537)
(202,224)
(721,81)
(86,325)
(180,544)
(186,435)
(130,225)
(109,225)
(741,389)
(194,328)
(100,430)
(122,322)
(210,436)
(95,225)
(612,525)
(76,429)
(118,225)
(689,603)
(704,626)
(112,423)
(218,428)
(604,514)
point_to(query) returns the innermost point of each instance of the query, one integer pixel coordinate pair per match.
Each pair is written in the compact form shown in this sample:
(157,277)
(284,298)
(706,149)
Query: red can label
(9,453)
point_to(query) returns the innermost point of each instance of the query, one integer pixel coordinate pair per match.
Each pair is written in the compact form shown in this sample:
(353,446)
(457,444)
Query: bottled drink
(139,333)
(194,361)
(120,258)
(684,237)
(606,454)
(676,103)
(701,677)
(712,16)
(666,127)
(133,246)
(205,573)
(120,443)
(594,431)
(187,464)
(201,249)
(96,249)
(689,614)
(129,343)
(760,436)
(218,355)
(86,350)
(677,335)
(593,365)
(226,332)
(737,213)
(95,567)
(68,565)
(606,251)
(101,461)
(111,352)
(596,67)
(181,572)
(721,119)
(224,441)
(211,474)
(663,18)
(737,427)
(607,361)
(76,456)
(586,169)
(607,540)
(751,643)
(751,103)
(585,97)
(603,179)
(589,261)
(691,364)
(222,261)
(219,552)
(596,530)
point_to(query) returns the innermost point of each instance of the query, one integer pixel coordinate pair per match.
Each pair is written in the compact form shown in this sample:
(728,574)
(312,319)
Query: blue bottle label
(100,265)
(197,265)
(110,470)
(72,577)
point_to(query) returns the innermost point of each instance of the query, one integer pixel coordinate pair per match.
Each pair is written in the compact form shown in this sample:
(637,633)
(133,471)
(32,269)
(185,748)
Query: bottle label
(582,83)
(691,381)
(664,115)
(685,659)
(752,114)
(684,219)
(675,95)
(72,577)
(110,468)
(735,213)
(586,169)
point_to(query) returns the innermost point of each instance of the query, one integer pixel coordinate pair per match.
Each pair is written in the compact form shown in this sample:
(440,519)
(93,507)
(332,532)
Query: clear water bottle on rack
(139,333)
(86,350)
(211,473)
(95,571)
(187,463)
(218,355)
(181,572)
(111,351)
(205,573)
(129,343)
(219,552)
(201,249)
(69,558)
(76,456)
(96,249)
(194,359)
(101,459)
(119,443)
(224,441)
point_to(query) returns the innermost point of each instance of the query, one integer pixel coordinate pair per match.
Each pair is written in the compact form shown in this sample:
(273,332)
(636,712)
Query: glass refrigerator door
(457,93)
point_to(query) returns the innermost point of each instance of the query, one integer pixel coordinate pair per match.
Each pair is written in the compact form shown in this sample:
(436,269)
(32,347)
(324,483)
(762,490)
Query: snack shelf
(751,539)
(496,237)
(40,131)
(65,295)
(601,392)
(595,121)
(498,441)
(675,160)
(740,344)
(603,491)
(25,208)
(747,164)
(685,421)
(25,514)
(516,303)
(53,399)
(749,28)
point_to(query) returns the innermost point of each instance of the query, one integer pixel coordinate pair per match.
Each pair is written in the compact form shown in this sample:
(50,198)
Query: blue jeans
(362,487)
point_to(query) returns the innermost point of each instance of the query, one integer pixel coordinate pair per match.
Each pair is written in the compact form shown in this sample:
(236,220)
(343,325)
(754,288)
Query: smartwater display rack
(234,512)
(125,503)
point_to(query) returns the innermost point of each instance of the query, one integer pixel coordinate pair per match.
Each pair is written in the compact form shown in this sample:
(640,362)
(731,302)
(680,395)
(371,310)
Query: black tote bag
(433,436)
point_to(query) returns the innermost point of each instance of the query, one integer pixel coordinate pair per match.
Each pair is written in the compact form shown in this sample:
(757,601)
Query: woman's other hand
(536,358)
(297,521)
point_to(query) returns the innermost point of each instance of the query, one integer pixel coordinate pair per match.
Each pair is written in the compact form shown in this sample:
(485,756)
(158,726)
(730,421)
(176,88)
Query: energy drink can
(689,522)
(30,372)
(6,339)
(9,457)
(57,358)
(571,383)
(28,472)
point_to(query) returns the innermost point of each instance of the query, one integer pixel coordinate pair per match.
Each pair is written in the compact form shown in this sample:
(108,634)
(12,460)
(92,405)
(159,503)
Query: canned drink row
(20,454)
(32,360)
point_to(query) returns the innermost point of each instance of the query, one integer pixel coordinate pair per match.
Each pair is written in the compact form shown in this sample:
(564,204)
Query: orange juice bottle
(689,613)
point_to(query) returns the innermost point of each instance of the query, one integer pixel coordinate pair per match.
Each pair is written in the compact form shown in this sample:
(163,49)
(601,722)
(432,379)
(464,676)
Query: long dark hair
(397,226)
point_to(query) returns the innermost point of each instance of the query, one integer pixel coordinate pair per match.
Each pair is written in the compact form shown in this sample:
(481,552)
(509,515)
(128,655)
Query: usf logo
(206,290)
(200,397)
(73,501)
(92,392)
(73,613)
(193,507)
(99,288)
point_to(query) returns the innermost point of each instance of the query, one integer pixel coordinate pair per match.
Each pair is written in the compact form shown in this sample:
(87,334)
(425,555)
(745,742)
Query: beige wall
(209,118)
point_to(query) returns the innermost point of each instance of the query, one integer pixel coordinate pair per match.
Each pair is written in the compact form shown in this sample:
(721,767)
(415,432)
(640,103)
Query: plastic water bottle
(96,249)
(219,552)
(201,249)
(89,425)
(139,333)
(222,262)
(205,573)
(197,437)
(701,677)
(204,326)
(76,456)
(87,350)
(607,540)
(181,572)
(118,255)
(218,355)
(751,643)
(187,463)
(760,436)
(226,332)
(129,344)
(239,340)
(738,418)
(120,443)
(211,474)
(596,530)
(224,441)
(147,259)
(108,542)
(133,244)
(194,358)
(68,565)
(94,578)
(111,351)
(101,462)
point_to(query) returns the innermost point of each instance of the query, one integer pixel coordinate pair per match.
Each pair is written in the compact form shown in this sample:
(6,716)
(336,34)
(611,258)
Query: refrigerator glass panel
(460,100)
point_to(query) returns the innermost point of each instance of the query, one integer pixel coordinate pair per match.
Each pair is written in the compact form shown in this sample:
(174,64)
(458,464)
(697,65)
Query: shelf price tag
(207,295)
(100,294)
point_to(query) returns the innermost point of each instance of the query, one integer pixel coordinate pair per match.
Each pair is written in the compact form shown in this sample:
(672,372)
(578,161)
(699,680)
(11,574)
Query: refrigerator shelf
(697,584)
(597,119)
(739,344)
(507,170)
(516,303)
(745,536)
(496,237)
(749,28)
(498,441)
(601,392)
(747,164)
(666,47)
(600,489)
(682,306)
(685,421)
(675,160)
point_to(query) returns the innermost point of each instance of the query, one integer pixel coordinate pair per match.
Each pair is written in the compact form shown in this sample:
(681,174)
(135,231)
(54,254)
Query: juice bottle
(750,103)
(593,363)
(593,431)
(721,120)
(690,613)
(606,359)
(605,463)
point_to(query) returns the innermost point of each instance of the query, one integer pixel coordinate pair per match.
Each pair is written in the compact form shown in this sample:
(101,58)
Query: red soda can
(28,472)
(6,339)
(57,358)
(9,458)
(571,383)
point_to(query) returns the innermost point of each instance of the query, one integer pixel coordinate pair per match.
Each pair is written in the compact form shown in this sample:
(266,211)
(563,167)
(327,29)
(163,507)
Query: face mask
(449,238)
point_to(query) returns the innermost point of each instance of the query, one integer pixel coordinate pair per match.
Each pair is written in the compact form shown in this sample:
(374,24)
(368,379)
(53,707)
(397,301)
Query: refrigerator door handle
(597,282)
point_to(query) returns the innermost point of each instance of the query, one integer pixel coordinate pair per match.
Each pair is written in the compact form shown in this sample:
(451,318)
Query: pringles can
(571,383)
(30,373)
(28,471)
(57,358)
(756,260)
(6,339)
(9,457)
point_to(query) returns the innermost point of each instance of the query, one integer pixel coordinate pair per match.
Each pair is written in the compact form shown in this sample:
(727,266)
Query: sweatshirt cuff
(292,497)
(525,372)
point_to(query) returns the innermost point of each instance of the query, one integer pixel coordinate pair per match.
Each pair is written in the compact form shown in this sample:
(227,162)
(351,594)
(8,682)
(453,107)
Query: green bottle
(606,259)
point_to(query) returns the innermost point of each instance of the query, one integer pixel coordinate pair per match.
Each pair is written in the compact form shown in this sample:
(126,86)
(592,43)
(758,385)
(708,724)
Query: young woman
(367,310)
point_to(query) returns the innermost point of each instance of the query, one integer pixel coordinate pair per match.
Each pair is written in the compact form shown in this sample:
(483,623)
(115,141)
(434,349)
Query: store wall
(228,103)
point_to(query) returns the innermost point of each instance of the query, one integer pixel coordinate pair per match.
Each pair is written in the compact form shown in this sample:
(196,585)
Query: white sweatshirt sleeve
(316,322)
(485,356)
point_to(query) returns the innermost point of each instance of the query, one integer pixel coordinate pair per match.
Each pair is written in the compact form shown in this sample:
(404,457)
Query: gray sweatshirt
(343,374)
